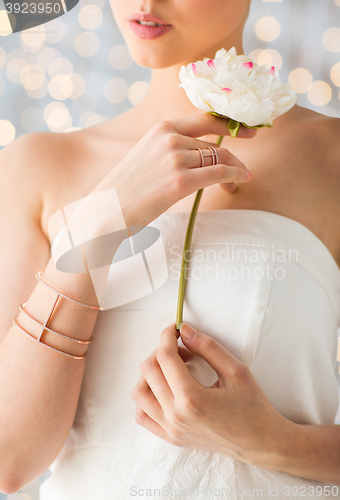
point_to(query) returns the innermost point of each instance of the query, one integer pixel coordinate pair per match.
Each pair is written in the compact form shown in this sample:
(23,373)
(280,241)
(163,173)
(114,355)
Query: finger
(146,421)
(206,123)
(184,354)
(182,351)
(198,178)
(193,159)
(174,369)
(156,381)
(185,142)
(220,359)
(144,397)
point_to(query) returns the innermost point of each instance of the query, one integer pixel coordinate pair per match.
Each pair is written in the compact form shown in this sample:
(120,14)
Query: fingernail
(187,332)
(249,175)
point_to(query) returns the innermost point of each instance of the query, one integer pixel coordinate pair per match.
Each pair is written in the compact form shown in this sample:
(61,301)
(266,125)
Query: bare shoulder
(324,132)
(30,160)
(43,169)
(332,139)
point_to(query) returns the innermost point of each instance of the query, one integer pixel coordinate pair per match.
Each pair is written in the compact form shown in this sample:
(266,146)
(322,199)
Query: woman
(266,427)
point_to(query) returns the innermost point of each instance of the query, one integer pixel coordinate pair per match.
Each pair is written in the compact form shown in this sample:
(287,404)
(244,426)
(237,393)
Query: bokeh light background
(76,71)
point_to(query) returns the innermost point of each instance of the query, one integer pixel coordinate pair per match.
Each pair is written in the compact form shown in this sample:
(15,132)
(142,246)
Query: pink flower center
(272,70)
(211,63)
(248,65)
(227,90)
(194,67)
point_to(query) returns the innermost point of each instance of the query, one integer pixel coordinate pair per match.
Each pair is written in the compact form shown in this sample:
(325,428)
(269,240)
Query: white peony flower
(236,87)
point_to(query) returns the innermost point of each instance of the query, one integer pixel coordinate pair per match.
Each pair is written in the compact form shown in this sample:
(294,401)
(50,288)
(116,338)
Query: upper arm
(24,248)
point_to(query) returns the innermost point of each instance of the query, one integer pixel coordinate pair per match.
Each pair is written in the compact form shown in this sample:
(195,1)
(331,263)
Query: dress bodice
(268,290)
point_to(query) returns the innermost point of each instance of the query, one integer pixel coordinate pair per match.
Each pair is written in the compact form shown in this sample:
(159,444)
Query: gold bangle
(22,309)
(15,321)
(38,276)
(45,327)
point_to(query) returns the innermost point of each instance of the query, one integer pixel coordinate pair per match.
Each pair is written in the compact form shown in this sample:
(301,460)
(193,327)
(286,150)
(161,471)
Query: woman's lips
(149,32)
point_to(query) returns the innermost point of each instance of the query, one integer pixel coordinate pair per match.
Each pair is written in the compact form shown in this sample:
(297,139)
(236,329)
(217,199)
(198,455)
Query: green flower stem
(186,249)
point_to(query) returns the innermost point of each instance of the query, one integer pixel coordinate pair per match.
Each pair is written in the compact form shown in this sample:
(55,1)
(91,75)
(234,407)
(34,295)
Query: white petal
(198,102)
(257,97)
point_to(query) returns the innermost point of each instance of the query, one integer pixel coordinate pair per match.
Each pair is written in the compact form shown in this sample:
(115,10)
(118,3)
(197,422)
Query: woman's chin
(151,59)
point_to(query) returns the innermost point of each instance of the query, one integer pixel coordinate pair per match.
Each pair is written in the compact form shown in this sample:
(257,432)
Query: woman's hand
(164,167)
(232,417)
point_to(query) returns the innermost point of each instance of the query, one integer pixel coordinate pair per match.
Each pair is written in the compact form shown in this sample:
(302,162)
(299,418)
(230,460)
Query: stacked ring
(212,154)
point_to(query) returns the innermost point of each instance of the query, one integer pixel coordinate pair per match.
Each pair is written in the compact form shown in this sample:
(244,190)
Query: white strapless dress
(268,290)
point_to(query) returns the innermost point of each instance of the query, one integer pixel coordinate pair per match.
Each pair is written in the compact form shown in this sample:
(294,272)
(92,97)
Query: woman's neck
(165,100)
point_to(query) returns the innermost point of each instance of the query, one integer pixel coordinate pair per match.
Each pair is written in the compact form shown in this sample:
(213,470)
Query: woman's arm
(39,388)
(233,417)
(309,451)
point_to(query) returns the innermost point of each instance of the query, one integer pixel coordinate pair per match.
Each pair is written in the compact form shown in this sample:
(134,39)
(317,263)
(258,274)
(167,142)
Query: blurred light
(86,44)
(7,132)
(267,28)
(56,31)
(93,120)
(57,117)
(272,1)
(137,92)
(33,39)
(270,57)
(116,90)
(119,57)
(72,129)
(39,92)
(18,54)
(331,40)
(90,17)
(99,3)
(90,119)
(300,80)
(2,57)
(337,2)
(79,86)
(24,496)
(5,25)
(46,56)
(83,118)
(14,68)
(32,77)
(335,74)
(320,93)
(32,119)
(60,87)
(254,55)
(60,66)
(2,86)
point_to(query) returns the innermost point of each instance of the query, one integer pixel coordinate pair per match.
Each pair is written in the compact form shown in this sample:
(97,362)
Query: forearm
(308,451)
(39,388)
